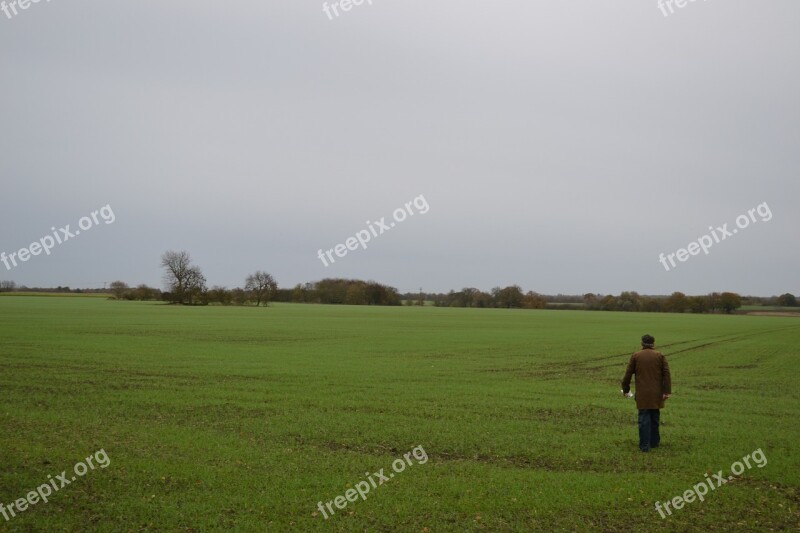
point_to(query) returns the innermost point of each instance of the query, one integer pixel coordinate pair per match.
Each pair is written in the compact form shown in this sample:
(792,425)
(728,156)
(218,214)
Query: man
(653,388)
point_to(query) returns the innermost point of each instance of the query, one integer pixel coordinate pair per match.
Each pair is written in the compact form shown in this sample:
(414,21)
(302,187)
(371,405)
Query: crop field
(244,418)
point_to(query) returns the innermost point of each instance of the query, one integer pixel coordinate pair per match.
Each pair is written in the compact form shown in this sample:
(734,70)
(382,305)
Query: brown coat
(652,378)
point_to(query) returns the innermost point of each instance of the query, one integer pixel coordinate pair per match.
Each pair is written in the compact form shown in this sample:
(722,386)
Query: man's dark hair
(648,341)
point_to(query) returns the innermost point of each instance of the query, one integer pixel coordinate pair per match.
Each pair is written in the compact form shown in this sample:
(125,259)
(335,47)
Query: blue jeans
(649,436)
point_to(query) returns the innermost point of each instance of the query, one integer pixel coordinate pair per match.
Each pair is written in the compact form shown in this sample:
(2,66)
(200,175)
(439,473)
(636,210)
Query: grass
(770,308)
(244,418)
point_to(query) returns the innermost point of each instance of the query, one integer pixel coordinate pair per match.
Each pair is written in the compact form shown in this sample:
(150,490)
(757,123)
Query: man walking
(653,387)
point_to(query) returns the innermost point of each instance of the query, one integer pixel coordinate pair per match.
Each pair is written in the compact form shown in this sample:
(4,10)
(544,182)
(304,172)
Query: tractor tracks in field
(594,365)
(723,339)
(711,341)
(731,339)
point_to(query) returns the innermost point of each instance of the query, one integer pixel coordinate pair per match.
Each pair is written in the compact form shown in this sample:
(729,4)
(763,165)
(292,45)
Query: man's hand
(666,396)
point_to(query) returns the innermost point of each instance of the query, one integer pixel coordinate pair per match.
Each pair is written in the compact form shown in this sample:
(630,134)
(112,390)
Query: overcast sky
(559,145)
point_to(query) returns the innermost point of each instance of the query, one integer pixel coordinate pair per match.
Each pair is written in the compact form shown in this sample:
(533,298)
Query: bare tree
(469,294)
(195,286)
(184,281)
(118,288)
(176,266)
(144,293)
(220,295)
(262,286)
(7,286)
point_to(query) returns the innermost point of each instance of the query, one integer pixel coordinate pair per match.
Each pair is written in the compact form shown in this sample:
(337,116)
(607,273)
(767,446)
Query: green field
(244,418)
(777,308)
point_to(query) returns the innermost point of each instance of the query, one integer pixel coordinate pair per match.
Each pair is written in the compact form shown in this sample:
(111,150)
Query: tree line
(677,302)
(513,297)
(185,284)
